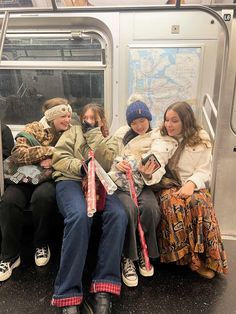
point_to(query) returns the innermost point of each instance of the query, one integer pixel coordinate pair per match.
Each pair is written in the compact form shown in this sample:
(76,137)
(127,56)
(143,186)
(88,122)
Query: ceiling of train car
(12,4)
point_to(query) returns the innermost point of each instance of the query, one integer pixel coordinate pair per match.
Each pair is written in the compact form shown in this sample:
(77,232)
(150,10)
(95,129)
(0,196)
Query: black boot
(98,303)
(70,310)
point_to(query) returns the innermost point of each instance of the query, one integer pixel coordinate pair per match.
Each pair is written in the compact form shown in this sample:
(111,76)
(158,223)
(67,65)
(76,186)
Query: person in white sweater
(189,233)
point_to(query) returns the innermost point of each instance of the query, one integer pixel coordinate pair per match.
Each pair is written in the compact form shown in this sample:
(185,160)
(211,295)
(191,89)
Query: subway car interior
(105,51)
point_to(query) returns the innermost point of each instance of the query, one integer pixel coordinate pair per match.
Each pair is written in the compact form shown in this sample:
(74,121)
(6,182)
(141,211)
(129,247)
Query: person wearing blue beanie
(136,110)
(136,143)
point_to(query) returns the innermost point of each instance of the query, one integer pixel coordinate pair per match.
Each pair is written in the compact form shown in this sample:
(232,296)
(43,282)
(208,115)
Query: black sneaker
(7,267)
(42,256)
(129,275)
(70,310)
(99,303)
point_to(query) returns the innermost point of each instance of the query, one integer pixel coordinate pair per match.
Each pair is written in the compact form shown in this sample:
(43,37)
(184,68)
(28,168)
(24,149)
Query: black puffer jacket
(7,141)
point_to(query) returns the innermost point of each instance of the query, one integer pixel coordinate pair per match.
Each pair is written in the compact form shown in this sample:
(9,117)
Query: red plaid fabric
(105,287)
(67,301)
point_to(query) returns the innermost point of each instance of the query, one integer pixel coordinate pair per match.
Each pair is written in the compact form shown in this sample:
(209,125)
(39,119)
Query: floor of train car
(173,289)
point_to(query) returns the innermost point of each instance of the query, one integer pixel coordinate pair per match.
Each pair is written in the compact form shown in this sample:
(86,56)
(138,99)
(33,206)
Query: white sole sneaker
(130,283)
(43,261)
(8,273)
(146,273)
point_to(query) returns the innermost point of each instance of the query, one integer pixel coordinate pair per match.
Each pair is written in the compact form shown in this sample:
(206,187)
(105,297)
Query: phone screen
(152,157)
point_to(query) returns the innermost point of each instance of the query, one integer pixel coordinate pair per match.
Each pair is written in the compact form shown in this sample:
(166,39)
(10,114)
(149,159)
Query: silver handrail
(210,128)
(207,98)
(3,31)
(213,107)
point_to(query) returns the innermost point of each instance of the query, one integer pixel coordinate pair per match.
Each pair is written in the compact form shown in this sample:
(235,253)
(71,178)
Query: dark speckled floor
(171,290)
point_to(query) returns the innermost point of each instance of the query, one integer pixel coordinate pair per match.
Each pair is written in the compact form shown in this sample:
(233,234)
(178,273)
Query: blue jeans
(77,227)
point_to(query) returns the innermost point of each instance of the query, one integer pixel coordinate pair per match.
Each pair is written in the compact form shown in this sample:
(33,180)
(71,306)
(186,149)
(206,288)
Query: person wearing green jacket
(70,152)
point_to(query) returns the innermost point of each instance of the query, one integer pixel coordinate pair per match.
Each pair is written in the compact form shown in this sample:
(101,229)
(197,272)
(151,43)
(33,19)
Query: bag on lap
(31,174)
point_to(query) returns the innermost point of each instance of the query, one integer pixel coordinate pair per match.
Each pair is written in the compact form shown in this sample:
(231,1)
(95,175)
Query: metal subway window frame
(57,53)
(92,32)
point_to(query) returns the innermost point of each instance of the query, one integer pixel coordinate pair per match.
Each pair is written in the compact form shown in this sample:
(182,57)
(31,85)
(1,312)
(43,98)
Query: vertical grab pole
(3,32)
(2,37)
(1,164)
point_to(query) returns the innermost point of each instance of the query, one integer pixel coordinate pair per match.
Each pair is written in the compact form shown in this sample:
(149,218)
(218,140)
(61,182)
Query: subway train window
(49,48)
(37,67)
(25,3)
(24,91)
(76,3)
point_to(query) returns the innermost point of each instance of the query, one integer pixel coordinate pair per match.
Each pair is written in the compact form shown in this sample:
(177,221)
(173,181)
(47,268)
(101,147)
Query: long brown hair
(98,112)
(190,127)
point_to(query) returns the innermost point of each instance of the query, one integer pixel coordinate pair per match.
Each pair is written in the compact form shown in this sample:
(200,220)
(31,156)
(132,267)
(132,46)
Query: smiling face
(173,124)
(62,123)
(140,125)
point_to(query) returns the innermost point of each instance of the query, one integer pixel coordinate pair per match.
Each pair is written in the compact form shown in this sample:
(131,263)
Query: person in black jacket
(7,141)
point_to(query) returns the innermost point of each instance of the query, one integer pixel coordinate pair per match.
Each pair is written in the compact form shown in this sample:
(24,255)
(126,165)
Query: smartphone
(152,157)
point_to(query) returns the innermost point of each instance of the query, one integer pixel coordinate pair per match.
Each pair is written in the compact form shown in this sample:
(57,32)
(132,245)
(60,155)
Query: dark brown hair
(190,127)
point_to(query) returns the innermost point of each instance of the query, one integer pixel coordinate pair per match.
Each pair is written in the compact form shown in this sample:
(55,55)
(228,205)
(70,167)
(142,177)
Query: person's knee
(119,216)
(44,194)
(9,206)
(78,218)
(129,208)
(158,212)
(44,200)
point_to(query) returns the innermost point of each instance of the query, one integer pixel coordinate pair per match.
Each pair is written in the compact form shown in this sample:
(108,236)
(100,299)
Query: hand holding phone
(151,158)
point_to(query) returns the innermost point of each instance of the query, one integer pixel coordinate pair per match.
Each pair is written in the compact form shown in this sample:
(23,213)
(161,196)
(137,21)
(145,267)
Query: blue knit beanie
(136,110)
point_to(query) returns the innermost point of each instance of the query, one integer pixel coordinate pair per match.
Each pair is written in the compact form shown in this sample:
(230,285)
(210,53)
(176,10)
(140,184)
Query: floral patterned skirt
(189,231)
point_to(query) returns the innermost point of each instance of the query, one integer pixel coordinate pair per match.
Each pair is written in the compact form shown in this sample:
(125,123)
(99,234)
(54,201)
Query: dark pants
(106,276)
(42,201)
(150,216)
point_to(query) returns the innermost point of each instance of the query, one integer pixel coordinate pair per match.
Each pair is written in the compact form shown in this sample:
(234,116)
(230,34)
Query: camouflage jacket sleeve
(23,153)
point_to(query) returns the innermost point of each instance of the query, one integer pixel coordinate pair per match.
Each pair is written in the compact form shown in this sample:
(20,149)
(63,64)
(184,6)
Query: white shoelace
(141,258)
(41,252)
(4,266)
(129,268)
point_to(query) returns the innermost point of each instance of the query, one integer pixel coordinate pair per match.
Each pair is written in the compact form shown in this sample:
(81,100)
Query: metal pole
(3,32)
(2,37)
(1,164)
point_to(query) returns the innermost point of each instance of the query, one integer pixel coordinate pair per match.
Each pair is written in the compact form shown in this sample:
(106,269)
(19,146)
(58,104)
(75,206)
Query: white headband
(57,111)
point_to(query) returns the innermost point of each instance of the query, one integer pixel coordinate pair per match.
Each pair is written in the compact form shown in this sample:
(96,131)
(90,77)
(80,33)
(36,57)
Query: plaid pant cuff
(105,287)
(70,301)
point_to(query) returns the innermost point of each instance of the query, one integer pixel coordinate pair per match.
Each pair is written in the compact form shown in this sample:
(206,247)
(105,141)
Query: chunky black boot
(97,303)
(70,310)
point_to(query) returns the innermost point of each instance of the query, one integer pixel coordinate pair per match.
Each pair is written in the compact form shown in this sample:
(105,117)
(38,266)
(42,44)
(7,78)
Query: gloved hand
(87,126)
(84,167)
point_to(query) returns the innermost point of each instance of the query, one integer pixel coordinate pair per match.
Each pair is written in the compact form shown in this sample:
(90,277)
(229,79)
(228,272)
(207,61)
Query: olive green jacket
(73,147)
